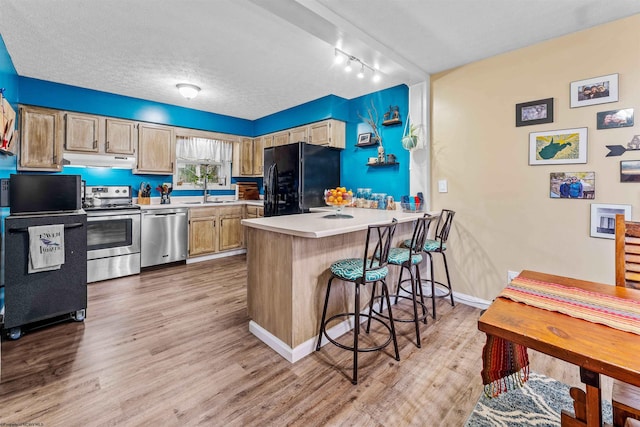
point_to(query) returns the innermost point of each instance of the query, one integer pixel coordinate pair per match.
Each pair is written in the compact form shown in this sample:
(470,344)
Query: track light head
(347,68)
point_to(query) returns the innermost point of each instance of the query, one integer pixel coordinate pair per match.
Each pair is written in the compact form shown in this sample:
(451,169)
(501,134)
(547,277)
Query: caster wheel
(79,315)
(15,333)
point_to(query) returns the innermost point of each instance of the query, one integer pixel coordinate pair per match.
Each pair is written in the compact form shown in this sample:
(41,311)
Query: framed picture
(534,112)
(603,219)
(364,138)
(558,147)
(630,171)
(572,185)
(598,90)
(615,118)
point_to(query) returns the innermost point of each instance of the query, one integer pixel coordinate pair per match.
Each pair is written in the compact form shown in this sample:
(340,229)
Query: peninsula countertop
(318,223)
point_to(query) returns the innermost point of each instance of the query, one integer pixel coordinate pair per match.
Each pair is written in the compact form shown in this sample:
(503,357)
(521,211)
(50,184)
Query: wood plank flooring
(171,347)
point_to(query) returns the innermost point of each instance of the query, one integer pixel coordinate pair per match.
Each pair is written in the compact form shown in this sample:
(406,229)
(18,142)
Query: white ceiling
(253,58)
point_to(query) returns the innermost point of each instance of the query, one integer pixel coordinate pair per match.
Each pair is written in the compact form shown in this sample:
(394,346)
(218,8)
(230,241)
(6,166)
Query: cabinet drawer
(203,212)
(230,211)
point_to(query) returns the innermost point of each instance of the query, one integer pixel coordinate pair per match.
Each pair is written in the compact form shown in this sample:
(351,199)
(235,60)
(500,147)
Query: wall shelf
(383,164)
(368,144)
(392,122)
(6,152)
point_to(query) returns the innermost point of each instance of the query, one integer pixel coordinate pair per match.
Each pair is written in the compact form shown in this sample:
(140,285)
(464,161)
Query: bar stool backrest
(627,253)
(379,237)
(420,233)
(444,226)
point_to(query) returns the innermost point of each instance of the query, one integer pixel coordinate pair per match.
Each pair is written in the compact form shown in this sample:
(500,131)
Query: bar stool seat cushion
(429,245)
(351,269)
(399,256)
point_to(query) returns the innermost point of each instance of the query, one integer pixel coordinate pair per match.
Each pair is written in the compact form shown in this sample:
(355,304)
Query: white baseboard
(216,256)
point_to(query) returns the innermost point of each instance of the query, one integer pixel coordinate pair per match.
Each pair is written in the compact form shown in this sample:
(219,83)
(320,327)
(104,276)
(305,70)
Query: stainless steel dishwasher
(164,236)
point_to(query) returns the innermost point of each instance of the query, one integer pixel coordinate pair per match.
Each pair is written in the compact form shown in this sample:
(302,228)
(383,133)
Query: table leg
(587,406)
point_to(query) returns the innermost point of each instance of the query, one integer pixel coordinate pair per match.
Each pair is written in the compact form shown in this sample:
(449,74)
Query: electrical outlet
(511,275)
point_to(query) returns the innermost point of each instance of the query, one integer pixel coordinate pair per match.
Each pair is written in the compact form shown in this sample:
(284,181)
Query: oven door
(112,233)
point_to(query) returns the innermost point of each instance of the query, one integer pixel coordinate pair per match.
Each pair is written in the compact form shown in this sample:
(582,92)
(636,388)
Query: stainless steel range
(113,232)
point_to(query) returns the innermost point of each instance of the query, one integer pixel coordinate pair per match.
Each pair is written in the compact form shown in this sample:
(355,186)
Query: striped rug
(537,403)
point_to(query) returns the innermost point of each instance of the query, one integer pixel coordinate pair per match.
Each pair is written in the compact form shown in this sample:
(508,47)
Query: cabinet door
(156,149)
(120,136)
(281,138)
(41,139)
(202,236)
(330,133)
(246,156)
(82,133)
(258,156)
(230,232)
(298,134)
(267,141)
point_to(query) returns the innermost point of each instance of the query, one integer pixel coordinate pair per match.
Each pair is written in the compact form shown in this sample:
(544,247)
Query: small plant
(410,139)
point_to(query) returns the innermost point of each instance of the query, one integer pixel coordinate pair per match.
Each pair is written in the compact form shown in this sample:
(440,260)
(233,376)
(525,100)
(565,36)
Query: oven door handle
(111,217)
(72,225)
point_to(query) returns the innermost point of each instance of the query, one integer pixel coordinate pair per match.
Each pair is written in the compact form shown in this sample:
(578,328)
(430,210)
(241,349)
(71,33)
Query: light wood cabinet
(215,229)
(299,134)
(248,157)
(203,233)
(41,136)
(330,133)
(280,138)
(156,149)
(120,136)
(96,134)
(251,212)
(231,234)
(82,133)
(258,156)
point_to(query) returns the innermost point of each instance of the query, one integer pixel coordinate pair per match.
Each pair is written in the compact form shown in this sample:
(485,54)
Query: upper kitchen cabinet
(95,134)
(41,137)
(248,156)
(120,136)
(156,149)
(82,133)
(299,134)
(329,132)
(280,138)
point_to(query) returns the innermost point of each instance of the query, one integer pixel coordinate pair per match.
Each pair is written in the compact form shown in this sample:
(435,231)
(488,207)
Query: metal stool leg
(419,282)
(446,269)
(433,286)
(324,315)
(356,332)
(414,296)
(385,292)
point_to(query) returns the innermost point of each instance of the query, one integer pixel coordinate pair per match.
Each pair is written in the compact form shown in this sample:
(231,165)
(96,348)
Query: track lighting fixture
(341,55)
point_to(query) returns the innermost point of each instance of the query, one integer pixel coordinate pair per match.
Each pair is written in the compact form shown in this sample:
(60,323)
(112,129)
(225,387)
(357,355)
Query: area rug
(537,403)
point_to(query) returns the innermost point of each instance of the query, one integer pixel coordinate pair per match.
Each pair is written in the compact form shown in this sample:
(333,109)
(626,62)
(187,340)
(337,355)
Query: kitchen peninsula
(288,260)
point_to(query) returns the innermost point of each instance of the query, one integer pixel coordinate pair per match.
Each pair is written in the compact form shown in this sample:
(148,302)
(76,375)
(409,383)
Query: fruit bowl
(338,197)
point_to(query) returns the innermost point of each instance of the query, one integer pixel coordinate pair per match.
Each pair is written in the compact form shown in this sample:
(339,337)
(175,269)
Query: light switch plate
(442,186)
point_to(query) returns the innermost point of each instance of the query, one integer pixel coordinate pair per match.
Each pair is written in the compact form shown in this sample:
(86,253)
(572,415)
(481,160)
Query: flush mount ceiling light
(341,55)
(187,90)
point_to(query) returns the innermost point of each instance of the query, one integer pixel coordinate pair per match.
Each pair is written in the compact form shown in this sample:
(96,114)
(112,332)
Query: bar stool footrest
(360,349)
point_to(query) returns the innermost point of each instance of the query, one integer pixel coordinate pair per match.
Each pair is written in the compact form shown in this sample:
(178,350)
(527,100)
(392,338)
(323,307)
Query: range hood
(99,160)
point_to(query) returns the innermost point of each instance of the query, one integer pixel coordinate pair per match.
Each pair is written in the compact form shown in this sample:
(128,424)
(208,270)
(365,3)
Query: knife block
(144,200)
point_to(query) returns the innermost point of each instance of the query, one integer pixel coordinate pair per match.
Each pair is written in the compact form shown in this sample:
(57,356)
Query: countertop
(316,224)
(177,203)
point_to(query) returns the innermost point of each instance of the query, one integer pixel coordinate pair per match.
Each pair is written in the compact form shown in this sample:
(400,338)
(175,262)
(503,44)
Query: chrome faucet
(206,174)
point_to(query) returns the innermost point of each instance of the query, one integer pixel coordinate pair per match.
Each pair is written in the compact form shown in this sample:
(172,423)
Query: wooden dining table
(595,348)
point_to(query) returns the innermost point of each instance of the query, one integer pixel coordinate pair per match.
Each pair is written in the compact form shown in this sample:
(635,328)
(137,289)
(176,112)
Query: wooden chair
(625,398)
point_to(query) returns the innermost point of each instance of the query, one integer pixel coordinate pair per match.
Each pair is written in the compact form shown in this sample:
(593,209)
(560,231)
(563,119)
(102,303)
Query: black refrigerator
(296,175)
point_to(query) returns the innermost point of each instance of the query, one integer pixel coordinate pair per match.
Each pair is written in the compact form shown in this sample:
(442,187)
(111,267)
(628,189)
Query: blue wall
(393,180)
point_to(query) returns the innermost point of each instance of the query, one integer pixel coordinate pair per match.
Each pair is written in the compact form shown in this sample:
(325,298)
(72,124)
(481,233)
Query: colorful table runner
(506,364)
(612,311)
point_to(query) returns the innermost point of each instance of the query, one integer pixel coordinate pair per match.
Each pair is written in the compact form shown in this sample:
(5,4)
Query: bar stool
(438,245)
(360,272)
(410,258)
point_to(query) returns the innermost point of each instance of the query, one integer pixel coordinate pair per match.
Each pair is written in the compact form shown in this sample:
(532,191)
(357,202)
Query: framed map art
(565,146)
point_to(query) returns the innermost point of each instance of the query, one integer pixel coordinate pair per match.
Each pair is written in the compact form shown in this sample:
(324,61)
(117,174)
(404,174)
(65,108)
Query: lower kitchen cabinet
(215,229)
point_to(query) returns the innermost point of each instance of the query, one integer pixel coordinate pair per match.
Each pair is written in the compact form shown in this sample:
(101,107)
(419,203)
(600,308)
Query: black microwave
(40,193)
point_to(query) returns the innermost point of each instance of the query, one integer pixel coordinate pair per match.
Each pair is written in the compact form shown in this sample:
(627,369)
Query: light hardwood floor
(171,347)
